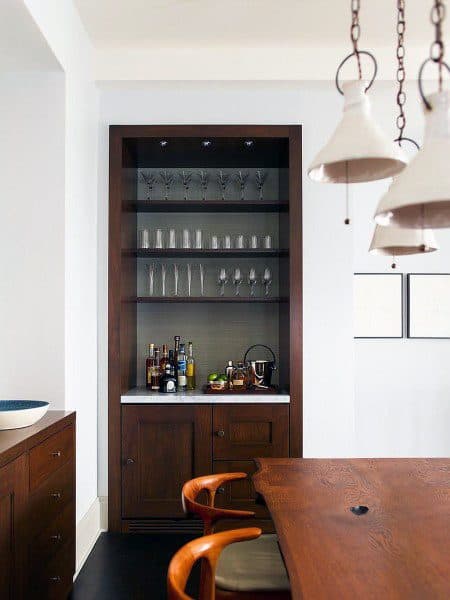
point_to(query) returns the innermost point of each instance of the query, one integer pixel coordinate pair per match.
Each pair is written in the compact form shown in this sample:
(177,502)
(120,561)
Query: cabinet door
(247,431)
(239,495)
(13,497)
(162,447)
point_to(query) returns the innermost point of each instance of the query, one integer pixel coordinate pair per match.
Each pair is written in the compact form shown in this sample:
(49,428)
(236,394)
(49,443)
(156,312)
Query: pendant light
(358,150)
(395,241)
(420,196)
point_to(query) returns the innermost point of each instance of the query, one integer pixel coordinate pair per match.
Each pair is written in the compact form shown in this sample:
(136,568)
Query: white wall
(32,236)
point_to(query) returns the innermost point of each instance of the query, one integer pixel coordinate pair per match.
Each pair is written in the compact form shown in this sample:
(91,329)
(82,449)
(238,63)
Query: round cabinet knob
(130,461)
(56,454)
(221,433)
(221,490)
(56,495)
(56,538)
(56,579)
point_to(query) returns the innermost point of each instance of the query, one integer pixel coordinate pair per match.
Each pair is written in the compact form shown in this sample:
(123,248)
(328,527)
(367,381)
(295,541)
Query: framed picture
(378,305)
(429,305)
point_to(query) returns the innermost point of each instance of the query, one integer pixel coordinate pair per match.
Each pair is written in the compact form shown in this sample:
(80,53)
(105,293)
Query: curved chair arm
(209,513)
(208,548)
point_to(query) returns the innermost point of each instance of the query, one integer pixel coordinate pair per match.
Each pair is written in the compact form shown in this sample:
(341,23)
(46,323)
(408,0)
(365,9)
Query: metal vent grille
(194,526)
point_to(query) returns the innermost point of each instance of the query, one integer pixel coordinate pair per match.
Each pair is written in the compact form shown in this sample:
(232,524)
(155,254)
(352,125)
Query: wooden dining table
(361,528)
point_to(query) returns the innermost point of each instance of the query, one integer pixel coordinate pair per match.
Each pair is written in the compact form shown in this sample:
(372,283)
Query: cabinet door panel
(247,431)
(162,447)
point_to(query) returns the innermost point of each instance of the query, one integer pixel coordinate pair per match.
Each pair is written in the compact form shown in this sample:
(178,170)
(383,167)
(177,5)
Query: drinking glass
(185,178)
(172,238)
(240,243)
(266,280)
(176,273)
(224,180)
(166,178)
(143,238)
(267,242)
(237,280)
(204,181)
(189,278)
(222,280)
(202,279)
(242,178)
(186,239)
(214,242)
(163,280)
(227,242)
(198,239)
(260,180)
(254,242)
(149,180)
(159,239)
(151,279)
(252,281)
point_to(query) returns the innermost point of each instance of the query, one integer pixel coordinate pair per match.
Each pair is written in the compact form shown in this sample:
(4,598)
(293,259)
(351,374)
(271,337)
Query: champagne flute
(166,178)
(149,180)
(252,281)
(204,181)
(222,280)
(224,180)
(202,279)
(237,280)
(151,279)
(189,278)
(176,273)
(163,280)
(242,178)
(185,178)
(260,179)
(267,280)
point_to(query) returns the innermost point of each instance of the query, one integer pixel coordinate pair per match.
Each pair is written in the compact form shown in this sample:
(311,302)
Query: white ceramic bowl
(21,413)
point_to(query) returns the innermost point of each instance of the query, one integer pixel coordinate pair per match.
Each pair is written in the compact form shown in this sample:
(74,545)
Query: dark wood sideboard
(37,509)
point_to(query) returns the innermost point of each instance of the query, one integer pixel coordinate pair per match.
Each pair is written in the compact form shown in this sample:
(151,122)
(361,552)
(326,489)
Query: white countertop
(140,395)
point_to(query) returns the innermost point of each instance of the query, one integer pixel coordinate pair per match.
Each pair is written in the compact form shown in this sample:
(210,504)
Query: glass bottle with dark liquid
(149,364)
(155,372)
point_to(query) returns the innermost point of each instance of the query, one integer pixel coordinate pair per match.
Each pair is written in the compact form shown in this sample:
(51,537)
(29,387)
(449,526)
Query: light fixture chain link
(437,49)
(355,32)
(401,73)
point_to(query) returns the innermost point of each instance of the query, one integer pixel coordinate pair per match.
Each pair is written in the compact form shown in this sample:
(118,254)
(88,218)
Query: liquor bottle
(164,359)
(149,365)
(190,368)
(168,382)
(239,377)
(181,369)
(172,362)
(229,370)
(176,349)
(155,372)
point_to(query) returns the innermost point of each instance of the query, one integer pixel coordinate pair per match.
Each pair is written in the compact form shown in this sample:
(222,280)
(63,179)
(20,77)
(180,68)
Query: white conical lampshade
(358,150)
(420,196)
(396,241)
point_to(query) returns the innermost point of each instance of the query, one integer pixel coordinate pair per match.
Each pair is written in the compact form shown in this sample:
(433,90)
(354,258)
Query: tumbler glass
(253,242)
(159,239)
(172,238)
(198,239)
(143,238)
(227,242)
(186,239)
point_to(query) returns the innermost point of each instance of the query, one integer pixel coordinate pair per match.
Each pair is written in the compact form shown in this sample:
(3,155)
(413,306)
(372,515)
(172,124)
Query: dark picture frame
(427,311)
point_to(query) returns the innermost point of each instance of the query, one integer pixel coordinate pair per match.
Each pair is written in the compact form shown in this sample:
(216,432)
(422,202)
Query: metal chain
(401,74)
(437,48)
(355,32)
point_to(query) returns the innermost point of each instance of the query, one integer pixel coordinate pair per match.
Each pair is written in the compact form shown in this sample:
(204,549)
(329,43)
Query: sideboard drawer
(51,539)
(49,456)
(54,581)
(50,499)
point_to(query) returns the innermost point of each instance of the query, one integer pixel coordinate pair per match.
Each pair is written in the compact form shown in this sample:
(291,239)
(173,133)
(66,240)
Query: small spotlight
(248,143)
(163,143)
(206,143)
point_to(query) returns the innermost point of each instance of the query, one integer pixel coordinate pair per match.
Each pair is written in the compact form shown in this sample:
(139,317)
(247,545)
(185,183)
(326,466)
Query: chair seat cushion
(252,566)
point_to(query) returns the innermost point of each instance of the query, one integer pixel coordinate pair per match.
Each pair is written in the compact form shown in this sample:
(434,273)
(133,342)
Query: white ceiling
(247,23)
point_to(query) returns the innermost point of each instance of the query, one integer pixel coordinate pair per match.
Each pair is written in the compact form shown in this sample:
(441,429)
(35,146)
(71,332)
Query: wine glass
(149,180)
(237,280)
(222,280)
(252,281)
(163,280)
(151,279)
(266,280)
(189,278)
(224,180)
(185,178)
(260,180)
(204,181)
(242,178)
(166,178)
(202,279)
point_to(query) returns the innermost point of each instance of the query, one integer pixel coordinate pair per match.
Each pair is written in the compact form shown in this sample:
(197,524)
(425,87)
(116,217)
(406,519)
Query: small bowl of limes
(217,381)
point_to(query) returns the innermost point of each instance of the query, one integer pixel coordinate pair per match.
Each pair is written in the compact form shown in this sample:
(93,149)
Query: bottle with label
(176,349)
(181,369)
(229,370)
(190,368)
(168,382)
(150,361)
(171,362)
(155,372)
(164,359)
(239,377)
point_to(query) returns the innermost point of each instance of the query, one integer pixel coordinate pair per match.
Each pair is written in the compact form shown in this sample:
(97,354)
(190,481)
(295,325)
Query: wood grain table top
(399,549)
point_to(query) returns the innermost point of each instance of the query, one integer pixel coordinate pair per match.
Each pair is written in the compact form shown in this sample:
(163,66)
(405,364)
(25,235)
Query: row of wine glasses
(168,179)
(195,239)
(237,276)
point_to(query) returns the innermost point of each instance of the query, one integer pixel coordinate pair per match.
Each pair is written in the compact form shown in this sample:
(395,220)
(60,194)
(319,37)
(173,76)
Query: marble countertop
(140,395)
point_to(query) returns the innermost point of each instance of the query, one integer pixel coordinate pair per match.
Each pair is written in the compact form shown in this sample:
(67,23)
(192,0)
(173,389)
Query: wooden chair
(248,571)
(207,548)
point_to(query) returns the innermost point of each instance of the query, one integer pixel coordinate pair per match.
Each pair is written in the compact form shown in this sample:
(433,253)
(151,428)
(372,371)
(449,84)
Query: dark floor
(129,567)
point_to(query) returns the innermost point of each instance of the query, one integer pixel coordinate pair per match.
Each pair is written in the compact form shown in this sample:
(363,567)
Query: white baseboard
(88,530)
(103,512)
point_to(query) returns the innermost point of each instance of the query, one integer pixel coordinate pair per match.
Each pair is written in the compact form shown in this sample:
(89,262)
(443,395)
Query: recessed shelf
(206,253)
(207,206)
(209,299)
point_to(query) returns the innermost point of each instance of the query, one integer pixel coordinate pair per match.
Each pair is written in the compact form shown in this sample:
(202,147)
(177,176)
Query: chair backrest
(207,548)
(208,512)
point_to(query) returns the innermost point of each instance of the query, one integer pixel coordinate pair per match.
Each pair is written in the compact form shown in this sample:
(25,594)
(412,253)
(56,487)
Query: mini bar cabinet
(204,180)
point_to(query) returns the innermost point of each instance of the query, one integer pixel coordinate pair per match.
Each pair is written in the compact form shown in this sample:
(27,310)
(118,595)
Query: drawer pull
(56,454)
(130,461)
(57,537)
(220,433)
(55,579)
(56,495)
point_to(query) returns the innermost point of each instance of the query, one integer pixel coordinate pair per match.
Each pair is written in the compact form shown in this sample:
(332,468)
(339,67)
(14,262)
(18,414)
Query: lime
(212,377)
(222,377)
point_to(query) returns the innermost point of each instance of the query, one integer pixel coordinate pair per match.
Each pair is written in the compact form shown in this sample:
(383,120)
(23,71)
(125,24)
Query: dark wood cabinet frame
(122,278)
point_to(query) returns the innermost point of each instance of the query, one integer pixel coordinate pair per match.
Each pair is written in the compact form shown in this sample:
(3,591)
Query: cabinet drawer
(50,499)
(49,456)
(55,579)
(247,431)
(51,539)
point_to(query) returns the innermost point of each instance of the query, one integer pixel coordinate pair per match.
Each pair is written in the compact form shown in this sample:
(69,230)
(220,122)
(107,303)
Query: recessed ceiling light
(206,143)
(248,143)
(163,143)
